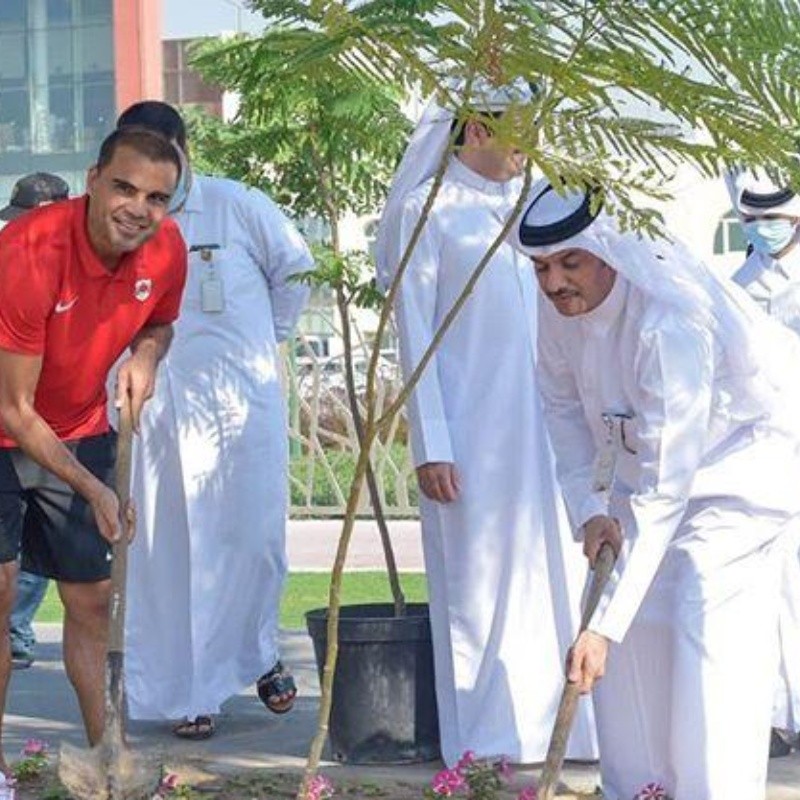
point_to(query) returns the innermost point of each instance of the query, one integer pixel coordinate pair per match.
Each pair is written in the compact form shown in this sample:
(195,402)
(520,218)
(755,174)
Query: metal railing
(322,439)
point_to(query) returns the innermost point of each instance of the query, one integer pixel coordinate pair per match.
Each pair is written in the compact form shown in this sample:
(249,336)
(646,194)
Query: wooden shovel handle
(570,695)
(119,550)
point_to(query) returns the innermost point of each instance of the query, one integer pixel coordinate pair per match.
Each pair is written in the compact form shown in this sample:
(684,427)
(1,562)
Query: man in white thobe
(210,476)
(503,574)
(770,216)
(670,404)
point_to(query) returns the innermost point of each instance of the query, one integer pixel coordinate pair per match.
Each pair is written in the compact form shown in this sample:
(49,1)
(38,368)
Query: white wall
(693,215)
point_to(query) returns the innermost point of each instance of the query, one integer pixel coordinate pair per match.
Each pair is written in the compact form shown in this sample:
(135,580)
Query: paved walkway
(311,545)
(41,703)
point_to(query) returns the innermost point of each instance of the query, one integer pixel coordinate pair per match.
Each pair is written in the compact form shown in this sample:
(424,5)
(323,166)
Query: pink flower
(466,761)
(652,791)
(448,781)
(504,770)
(169,783)
(319,788)
(528,793)
(34,747)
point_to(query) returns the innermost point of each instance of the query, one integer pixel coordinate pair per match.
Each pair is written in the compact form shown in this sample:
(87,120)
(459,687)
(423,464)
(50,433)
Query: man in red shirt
(80,281)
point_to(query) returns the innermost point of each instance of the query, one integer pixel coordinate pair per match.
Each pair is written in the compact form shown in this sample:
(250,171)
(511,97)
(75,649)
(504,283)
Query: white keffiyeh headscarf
(754,193)
(421,161)
(665,269)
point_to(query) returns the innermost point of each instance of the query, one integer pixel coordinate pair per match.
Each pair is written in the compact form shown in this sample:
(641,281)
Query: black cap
(32,191)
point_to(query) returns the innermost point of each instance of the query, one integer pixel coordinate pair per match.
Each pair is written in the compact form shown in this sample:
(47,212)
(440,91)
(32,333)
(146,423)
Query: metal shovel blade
(105,772)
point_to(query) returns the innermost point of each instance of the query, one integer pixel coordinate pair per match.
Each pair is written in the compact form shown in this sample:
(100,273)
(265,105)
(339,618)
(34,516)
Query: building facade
(183,84)
(66,68)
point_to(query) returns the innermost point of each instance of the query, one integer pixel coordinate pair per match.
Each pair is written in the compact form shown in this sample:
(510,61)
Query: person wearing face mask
(671,402)
(770,216)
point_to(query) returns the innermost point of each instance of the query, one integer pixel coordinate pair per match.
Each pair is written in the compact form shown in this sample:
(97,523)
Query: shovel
(570,695)
(109,770)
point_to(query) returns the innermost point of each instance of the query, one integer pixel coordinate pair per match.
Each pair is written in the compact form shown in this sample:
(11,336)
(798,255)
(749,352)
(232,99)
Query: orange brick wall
(137,51)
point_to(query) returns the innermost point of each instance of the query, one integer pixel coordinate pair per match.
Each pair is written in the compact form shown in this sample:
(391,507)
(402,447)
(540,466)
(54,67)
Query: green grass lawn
(304,591)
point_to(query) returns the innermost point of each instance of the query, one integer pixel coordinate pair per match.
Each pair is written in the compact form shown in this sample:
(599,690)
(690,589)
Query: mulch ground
(196,784)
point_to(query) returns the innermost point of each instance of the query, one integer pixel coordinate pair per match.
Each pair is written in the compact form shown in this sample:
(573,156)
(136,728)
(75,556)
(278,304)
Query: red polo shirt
(57,300)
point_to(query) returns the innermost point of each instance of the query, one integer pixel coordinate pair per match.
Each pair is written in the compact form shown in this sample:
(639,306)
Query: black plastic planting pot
(384,703)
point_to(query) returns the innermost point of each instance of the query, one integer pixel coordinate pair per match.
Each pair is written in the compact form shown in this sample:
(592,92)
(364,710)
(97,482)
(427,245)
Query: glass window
(99,113)
(62,119)
(97,50)
(195,90)
(729,236)
(13,13)
(15,124)
(170,54)
(59,52)
(172,87)
(737,241)
(96,9)
(59,11)
(13,53)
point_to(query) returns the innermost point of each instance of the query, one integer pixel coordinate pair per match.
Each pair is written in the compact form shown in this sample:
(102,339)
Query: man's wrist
(90,487)
(147,350)
(153,343)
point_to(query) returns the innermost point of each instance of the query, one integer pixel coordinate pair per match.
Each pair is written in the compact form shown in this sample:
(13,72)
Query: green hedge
(343,466)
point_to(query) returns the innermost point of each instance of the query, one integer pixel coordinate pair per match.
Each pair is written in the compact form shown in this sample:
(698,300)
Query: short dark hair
(459,124)
(155,116)
(145,142)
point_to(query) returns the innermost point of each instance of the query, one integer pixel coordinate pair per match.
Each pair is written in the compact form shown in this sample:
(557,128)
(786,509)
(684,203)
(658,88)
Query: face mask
(769,236)
(181,193)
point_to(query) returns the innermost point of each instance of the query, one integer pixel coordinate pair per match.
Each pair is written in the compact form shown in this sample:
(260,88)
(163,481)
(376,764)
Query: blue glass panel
(59,11)
(99,113)
(13,13)
(96,9)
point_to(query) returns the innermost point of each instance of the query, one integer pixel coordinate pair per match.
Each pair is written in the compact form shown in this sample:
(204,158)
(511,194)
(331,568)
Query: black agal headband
(560,230)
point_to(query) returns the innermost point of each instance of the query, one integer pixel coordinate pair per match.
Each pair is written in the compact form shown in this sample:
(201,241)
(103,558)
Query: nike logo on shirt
(65,305)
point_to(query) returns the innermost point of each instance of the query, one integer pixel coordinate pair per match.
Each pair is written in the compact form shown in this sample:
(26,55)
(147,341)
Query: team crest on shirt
(142,289)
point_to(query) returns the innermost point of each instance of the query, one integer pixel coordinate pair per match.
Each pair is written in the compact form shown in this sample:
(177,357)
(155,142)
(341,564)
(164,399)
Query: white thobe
(504,576)
(687,694)
(210,485)
(775,286)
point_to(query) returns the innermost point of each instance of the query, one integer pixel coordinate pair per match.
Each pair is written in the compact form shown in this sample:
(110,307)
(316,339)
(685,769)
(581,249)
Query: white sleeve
(572,440)
(674,377)
(415,313)
(280,253)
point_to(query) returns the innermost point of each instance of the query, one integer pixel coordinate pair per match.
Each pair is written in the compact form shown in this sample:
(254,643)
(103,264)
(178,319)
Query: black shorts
(45,519)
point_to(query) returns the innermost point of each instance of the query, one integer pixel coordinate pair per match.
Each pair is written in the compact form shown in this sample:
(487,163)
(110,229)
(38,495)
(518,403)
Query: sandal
(197,729)
(273,685)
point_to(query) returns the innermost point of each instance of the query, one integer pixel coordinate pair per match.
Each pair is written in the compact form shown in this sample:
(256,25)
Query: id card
(212,295)
(212,292)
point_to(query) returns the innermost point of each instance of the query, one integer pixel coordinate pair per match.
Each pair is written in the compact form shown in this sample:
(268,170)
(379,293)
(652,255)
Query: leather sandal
(197,729)
(277,689)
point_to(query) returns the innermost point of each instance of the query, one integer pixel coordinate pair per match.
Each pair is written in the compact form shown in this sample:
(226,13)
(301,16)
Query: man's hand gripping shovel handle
(570,695)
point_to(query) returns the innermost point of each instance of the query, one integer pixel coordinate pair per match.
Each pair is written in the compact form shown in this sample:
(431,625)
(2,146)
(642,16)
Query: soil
(196,784)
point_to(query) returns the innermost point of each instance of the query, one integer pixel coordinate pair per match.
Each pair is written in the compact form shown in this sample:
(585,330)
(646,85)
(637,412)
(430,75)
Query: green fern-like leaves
(626,87)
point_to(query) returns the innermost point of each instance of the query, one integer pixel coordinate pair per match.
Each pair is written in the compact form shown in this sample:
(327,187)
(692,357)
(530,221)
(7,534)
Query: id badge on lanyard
(605,463)
(212,290)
